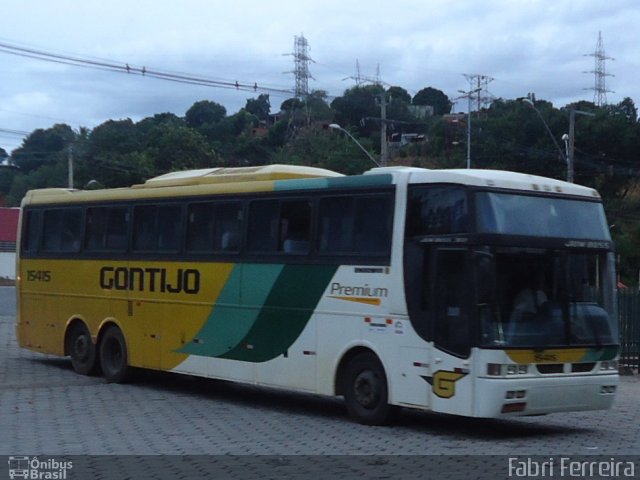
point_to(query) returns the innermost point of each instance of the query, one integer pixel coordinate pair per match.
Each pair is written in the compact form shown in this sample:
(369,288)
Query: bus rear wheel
(81,349)
(113,355)
(366,391)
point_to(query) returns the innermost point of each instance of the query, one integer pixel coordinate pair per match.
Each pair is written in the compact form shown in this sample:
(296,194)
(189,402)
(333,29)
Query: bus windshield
(529,215)
(545,298)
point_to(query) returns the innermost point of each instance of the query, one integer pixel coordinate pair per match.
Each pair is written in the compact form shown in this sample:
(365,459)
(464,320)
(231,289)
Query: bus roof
(196,182)
(491,179)
(238,174)
(292,177)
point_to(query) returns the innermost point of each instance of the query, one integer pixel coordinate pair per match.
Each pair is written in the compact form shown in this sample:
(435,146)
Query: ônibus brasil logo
(35,469)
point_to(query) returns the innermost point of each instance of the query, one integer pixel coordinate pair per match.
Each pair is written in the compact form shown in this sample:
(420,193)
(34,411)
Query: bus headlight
(609,365)
(517,369)
(496,369)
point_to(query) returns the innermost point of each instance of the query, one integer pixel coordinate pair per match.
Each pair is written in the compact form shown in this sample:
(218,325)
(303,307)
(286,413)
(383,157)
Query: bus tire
(113,355)
(365,390)
(81,349)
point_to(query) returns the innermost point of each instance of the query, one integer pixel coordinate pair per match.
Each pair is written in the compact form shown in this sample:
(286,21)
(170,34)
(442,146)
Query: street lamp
(335,126)
(568,139)
(468,95)
(529,102)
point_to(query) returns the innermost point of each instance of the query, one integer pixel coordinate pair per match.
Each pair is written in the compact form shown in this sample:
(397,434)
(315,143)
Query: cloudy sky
(524,45)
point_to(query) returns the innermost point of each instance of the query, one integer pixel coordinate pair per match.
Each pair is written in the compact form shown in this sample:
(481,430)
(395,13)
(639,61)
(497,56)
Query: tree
(176,147)
(260,107)
(114,156)
(42,147)
(301,112)
(146,125)
(204,112)
(50,175)
(398,94)
(434,98)
(325,149)
(357,107)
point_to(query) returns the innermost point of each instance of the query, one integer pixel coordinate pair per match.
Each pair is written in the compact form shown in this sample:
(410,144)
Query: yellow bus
(471,292)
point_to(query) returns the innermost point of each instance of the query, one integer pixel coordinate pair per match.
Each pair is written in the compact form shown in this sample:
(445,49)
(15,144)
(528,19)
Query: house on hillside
(8,233)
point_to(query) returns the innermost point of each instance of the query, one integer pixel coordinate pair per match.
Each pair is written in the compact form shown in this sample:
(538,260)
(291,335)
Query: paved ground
(47,409)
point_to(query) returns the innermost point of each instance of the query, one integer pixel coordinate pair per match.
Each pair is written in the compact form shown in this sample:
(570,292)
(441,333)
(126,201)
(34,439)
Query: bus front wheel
(113,355)
(366,392)
(81,349)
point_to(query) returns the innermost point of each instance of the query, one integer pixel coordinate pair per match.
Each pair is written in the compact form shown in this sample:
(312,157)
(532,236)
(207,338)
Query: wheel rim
(366,389)
(81,347)
(113,355)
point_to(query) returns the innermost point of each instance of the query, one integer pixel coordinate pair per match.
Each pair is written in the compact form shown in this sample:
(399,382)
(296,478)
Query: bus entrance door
(450,380)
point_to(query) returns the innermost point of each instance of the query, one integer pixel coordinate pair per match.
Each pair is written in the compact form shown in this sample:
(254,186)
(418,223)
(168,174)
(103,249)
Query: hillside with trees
(507,135)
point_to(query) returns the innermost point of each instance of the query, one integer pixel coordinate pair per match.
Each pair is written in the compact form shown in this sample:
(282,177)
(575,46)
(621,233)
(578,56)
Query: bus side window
(360,224)
(336,225)
(228,227)
(157,228)
(62,230)
(262,235)
(144,218)
(200,221)
(373,224)
(169,227)
(106,229)
(31,232)
(295,226)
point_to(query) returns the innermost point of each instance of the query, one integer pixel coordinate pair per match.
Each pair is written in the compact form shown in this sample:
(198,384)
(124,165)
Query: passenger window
(214,227)
(336,225)
(200,227)
(359,225)
(61,230)
(30,232)
(106,229)
(280,226)
(295,227)
(144,222)
(262,235)
(228,227)
(373,224)
(157,228)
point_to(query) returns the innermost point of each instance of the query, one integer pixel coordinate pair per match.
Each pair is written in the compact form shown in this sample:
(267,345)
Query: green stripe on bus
(285,313)
(601,354)
(235,311)
(359,181)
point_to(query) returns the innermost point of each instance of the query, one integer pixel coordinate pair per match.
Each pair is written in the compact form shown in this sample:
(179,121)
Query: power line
(127,68)
(19,133)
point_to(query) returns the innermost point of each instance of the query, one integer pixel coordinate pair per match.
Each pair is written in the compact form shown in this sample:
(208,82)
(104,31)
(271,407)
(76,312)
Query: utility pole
(481,84)
(468,96)
(383,130)
(70,165)
(572,135)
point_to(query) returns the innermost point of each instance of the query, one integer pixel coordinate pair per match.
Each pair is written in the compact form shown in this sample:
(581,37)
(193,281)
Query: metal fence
(629,324)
